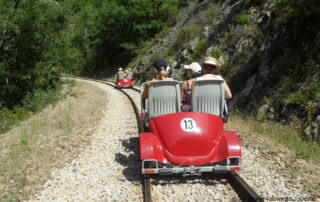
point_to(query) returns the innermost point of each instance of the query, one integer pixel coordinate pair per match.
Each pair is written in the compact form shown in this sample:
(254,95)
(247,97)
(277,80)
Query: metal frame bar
(189,170)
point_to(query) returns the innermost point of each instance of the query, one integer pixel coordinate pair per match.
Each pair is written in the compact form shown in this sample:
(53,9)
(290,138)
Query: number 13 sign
(188,124)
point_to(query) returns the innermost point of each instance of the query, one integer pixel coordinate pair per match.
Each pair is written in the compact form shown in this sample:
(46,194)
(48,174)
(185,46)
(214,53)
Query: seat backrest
(163,98)
(129,76)
(208,96)
(121,76)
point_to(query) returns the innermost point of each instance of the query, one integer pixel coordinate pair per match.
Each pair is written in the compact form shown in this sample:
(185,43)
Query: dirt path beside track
(32,151)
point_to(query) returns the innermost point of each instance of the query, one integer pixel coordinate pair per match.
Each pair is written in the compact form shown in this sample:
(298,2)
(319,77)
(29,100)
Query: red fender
(229,146)
(150,147)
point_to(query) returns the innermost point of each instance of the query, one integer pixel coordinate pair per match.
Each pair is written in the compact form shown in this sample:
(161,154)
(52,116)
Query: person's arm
(151,78)
(183,89)
(146,90)
(192,85)
(228,94)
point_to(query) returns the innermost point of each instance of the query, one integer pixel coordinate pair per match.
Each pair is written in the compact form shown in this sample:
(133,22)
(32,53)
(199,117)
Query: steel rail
(244,191)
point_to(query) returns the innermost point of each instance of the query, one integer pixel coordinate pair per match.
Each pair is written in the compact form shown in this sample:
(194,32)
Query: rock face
(253,44)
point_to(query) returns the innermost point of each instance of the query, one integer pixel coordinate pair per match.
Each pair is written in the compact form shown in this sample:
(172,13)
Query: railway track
(243,190)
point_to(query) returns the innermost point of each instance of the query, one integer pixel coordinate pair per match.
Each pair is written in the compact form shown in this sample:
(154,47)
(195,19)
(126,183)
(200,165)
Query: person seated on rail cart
(193,71)
(159,73)
(129,73)
(210,66)
(120,74)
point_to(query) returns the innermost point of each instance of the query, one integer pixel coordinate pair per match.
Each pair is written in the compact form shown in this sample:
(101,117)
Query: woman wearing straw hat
(210,66)
(193,71)
(129,73)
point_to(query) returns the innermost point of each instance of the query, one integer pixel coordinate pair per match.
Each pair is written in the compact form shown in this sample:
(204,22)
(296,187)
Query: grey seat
(121,76)
(163,98)
(129,76)
(208,96)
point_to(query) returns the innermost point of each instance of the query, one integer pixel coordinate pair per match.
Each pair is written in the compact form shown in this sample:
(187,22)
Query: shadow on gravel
(132,164)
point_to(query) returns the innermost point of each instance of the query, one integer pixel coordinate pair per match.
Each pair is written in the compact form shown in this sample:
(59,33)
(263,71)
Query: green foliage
(227,34)
(213,12)
(118,29)
(227,65)
(244,101)
(301,9)
(302,97)
(289,136)
(263,117)
(39,39)
(155,56)
(31,103)
(254,2)
(29,31)
(301,63)
(216,53)
(182,37)
(297,98)
(199,49)
(243,18)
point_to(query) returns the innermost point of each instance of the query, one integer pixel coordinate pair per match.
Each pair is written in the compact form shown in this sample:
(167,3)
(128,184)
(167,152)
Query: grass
(32,103)
(13,164)
(243,18)
(280,134)
(183,36)
(20,147)
(199,50)
(68,118)
(309,93)
(216,53)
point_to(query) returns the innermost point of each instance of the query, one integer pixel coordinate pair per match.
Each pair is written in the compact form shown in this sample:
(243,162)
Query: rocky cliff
(270,56)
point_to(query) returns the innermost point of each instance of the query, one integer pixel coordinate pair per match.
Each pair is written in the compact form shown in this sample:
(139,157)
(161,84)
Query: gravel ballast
(109,168)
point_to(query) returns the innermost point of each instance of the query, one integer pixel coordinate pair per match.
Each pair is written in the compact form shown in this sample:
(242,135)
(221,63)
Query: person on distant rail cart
(159,73)
(193,71)
(210,67)
(129,73)
(120,72)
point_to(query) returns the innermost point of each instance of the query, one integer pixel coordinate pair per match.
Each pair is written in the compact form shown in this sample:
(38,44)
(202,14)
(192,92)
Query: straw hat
(212,61)
(120,69)
(195,67)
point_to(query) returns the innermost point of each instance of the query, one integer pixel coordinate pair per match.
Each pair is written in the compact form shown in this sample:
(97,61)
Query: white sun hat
(195,67)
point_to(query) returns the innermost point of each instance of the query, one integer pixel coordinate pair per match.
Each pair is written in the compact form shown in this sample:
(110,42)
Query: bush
(184,36)
(216,53)
(199,50)
(243,18)
(302,97)
(31,103)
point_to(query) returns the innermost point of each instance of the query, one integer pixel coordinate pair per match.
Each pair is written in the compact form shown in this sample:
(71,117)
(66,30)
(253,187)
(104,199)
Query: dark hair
(207,67)
(195,75)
